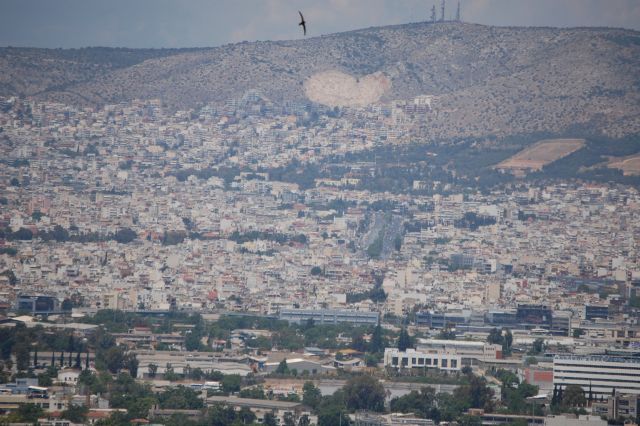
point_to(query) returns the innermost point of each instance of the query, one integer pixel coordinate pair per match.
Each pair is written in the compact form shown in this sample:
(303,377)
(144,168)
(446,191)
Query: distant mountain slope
(486,80)
(31,71)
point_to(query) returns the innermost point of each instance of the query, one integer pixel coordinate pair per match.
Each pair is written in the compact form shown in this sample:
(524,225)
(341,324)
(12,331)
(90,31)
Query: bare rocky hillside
(485,80)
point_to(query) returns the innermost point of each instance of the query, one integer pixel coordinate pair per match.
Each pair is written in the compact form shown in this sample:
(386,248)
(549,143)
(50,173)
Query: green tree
(283,368)
(495,337)
(364,393)
(404,340)
(192,341)
(316,270)
(75,413)
(507,341)
(288,419)
(130,362)
(311,395)
(22,356)
(67,305)
(246,416)
(253,392)
(304,420)
(270,419)
(538,346)
(170,375)
(29,413)
(470,421)
(421,403)
(397,242)
(231,383)
(113,359)
(377,344)
(44,380)
(475,394)
(23,234)
(180,398)
(125,235)
(153,369)
(573,396)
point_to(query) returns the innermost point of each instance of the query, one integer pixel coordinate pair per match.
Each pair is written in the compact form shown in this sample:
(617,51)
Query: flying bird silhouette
(303,23)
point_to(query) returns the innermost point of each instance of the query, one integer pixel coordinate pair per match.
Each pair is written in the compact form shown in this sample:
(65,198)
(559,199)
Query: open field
(630,166)
(540,154)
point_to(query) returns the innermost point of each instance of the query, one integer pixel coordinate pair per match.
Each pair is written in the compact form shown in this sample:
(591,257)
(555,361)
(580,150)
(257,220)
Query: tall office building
(598,375)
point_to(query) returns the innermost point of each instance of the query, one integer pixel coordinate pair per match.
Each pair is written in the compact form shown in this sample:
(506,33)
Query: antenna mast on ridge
(442,11)
(458,13)
(433,14)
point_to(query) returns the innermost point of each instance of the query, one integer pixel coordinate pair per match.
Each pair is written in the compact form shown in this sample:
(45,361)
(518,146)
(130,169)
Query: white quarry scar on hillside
(335,88)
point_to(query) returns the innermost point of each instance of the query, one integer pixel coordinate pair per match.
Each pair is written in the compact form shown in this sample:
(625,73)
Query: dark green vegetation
(446,407)
(465,164)
(116,368)
(588,163)
(60,234)
(501,337)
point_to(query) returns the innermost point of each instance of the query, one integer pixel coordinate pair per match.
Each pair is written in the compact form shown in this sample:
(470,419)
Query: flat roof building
(329,316)
(600,375)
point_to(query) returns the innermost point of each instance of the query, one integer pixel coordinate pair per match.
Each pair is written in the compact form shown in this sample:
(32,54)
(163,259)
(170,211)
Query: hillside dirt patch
(540,154)
(630,166)
(335,88)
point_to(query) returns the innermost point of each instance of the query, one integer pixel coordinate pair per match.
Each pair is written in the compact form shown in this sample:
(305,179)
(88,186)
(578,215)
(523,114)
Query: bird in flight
(303,23)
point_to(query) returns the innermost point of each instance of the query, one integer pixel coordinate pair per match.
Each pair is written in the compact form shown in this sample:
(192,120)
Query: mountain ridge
(489,80)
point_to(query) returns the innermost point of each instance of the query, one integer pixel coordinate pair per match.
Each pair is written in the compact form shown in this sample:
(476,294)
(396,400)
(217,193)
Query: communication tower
(458,13)
(442,11)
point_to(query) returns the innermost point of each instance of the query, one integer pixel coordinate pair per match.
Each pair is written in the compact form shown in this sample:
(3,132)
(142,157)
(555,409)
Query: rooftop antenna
(433,14)
(442,11)
(458,13)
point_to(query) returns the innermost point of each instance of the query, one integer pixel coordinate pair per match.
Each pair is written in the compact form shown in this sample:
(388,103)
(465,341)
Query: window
(428,361)
(435,362)
(445,363)
(413,361)
(405,362)
(421,361)
(394,360)
(454,363)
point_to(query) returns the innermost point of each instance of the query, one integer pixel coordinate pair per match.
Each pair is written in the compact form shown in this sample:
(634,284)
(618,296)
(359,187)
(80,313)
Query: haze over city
(368,213)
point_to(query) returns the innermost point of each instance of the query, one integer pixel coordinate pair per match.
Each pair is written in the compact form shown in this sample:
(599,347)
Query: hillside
(485,80)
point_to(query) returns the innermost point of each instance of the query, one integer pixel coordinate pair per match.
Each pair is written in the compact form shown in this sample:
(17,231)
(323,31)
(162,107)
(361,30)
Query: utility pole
(433,14)
(458,13)
(442,10)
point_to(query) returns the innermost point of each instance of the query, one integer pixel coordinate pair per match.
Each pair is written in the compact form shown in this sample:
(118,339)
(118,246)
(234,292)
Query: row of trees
(60,234)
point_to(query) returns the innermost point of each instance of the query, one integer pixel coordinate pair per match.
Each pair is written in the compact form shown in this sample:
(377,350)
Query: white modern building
(471,351)
(600,374)
(412,358)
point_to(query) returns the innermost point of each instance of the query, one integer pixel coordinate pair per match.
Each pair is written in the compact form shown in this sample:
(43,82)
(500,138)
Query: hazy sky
(196,23)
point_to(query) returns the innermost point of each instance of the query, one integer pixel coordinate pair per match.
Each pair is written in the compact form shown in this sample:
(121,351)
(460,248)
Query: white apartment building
(601,374)
(412,358)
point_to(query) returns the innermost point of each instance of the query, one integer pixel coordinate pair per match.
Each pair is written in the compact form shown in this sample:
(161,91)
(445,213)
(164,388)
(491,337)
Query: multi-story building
(471,352)
(534,315)
(37,304)
(596,311)
(412,358)
(618,406)
(329,316)
(443,319)
(598,375)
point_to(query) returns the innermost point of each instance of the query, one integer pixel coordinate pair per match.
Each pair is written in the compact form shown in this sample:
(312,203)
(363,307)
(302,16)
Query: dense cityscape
(361,262)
